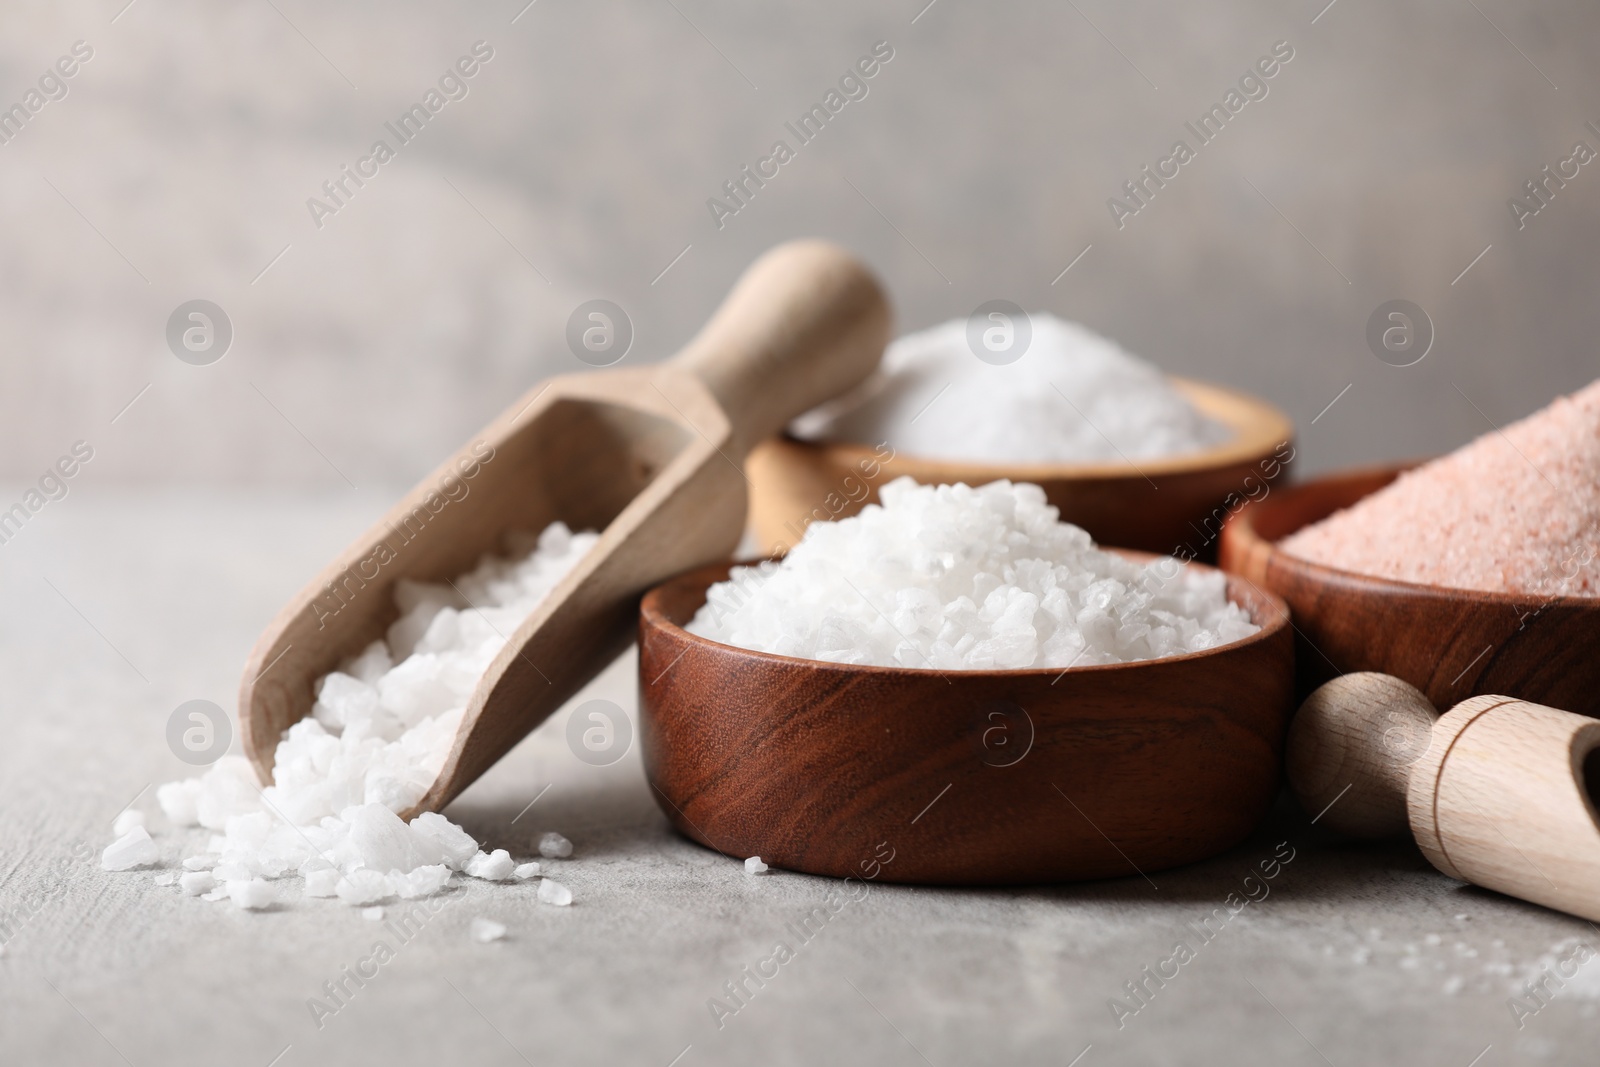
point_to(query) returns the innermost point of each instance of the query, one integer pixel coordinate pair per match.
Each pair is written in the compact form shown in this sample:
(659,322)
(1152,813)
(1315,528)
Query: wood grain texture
(1505,799)
(1351,748)
(1154,505)
(971,777)
(1449,643)
(649,456)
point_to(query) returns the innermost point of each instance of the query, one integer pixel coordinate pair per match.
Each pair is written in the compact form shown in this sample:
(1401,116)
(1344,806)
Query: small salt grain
(127,820)
(133,849)
(1463,917)
(166,878)
(1433,939)
(487,930)
(553,846)
(753,865)
(362,886)
(1454,985)
(196,882)
(200,863)
(526,870)
(254,894)
(373,914)
(496,866)
(553,892)
(219,892)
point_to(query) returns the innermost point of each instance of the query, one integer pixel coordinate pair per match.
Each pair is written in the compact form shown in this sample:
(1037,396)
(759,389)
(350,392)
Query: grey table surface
(122,604)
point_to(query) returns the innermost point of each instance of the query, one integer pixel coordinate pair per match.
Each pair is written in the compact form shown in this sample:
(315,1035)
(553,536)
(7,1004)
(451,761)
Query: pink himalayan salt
(1516,511)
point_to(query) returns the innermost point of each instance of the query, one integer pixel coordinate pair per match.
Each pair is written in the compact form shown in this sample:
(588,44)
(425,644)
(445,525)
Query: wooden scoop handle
(1498,792)
(805,323)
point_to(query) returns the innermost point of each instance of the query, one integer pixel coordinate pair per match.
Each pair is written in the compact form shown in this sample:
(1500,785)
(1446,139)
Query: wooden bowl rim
(1276,621)
(1255,436)
(1243,527)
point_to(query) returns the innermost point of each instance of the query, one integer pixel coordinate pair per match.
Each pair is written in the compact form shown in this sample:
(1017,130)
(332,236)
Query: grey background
(578,167)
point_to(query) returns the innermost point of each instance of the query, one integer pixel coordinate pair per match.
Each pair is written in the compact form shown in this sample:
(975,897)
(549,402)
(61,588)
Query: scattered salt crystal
(132,849)
(420,882)
(373,914)
(553,846)
(219,892)
(487,930)
(495,866)
(362,886)
(1463,917)
(455,844)
(322,883)
(526,870)
(127,820)
(252,894)
(1514,511)
(1453,985)
(553,892)
(1073,396)
(196,882)
(753,865)
(166,878)
(952,577)
(381,728)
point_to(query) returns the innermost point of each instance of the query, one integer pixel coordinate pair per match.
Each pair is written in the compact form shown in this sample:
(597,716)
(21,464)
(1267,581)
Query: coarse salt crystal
(455,844)
(166,878)
(126,821)
(252,894)
(363,887)
(132,849)
(218,892)
(196,882)
(553,846)
(526,870)
(420,882)
(495,866)
(753,865)
(203,862)
(487,930)
(553,892)
(373,914)
(322,883)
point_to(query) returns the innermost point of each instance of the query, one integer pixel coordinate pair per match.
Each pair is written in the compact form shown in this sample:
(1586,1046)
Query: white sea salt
(487,930)
(251,893)
(196,882)
(955,578)
(553,892)
(166,878)
(127,820)
(378,735)
(373,914)
(132,849)
(525,871)
(494,866)
(553,846)
(1073,397)
(753,865)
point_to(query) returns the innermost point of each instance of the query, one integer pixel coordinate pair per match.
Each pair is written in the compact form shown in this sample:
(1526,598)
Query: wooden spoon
(649,455)
(1498,792)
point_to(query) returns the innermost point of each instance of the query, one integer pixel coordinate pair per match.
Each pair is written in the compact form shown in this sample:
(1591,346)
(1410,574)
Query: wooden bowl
(1155,505)
(962,777)
(1449,643)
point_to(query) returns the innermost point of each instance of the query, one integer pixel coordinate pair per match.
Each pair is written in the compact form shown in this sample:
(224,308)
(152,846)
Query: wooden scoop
(1498,792)
(649,455)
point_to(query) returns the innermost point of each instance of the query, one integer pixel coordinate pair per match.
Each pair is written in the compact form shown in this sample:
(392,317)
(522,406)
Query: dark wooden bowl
(1155,505)
(963,777)
(1449,643)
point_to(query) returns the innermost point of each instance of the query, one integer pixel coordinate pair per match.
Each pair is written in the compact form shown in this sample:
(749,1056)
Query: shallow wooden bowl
(1156,505)
(1449,643)
(962,777)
